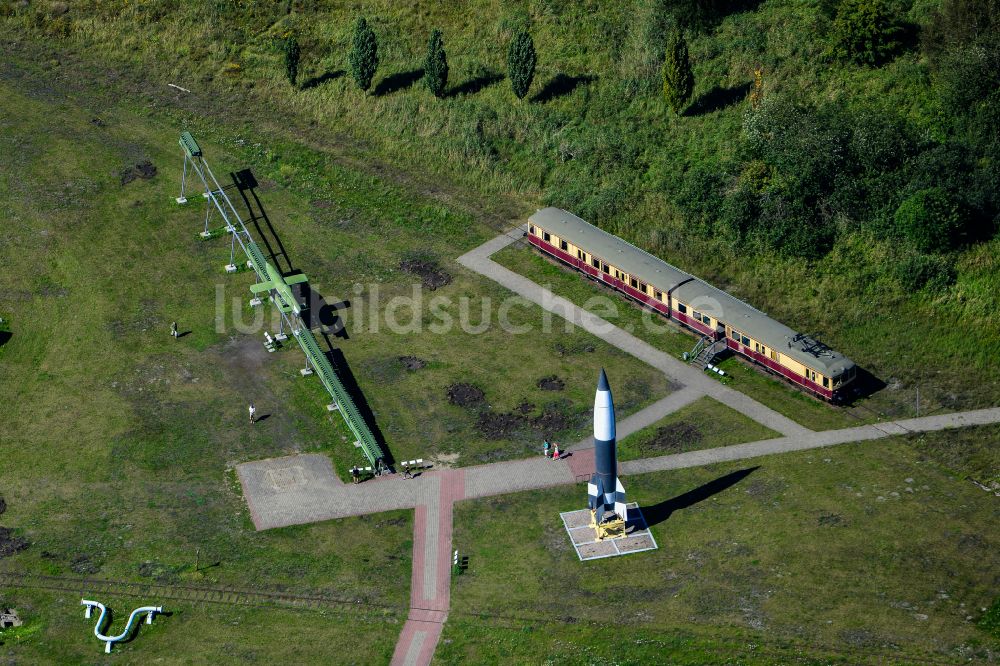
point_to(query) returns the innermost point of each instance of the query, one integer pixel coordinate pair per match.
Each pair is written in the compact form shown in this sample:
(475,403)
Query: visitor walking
(555,452)
(253,412)
(173,330)
(355,474)
(548,449)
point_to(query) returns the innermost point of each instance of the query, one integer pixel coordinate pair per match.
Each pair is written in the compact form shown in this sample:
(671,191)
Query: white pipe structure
(108,640)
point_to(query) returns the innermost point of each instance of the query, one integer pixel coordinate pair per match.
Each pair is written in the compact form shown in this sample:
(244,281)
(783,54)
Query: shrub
(930,220)
(521,63)
(292,59)
(700,196)
(363,57)
(436,65)
(920,271)
(990,620)
(865,32)
(678,80)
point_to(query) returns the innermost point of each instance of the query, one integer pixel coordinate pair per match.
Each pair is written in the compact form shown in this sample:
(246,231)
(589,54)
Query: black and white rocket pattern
(606,495)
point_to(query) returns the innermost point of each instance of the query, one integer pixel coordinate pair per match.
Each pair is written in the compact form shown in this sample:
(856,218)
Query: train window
(634,283)
(606,269)
(659,295)
(775,356)
(682,308)
(736,335)
(545,236)
(697,315)
(746,341)
(580,254)
(531,229)
(563,245)
(826,383)
(706,319)
(756,347)
(643,288)
(596,263)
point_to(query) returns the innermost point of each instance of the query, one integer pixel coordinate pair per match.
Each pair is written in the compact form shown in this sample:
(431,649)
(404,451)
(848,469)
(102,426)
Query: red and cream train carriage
(690,301)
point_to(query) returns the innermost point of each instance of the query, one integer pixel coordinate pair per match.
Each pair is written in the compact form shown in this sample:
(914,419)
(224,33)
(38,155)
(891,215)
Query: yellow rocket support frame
(609,529)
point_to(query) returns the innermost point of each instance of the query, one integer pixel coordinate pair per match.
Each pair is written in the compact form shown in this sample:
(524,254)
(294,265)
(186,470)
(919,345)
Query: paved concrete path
(304,488)
(681,373)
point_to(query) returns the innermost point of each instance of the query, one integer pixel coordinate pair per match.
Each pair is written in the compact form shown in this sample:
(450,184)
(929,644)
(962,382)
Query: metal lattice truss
(277,287)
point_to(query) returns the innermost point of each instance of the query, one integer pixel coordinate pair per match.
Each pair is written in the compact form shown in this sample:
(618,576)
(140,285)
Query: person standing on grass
(253,412)
(173,329)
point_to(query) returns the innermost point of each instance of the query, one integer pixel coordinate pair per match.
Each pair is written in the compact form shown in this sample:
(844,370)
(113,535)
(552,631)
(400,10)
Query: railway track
(196,594)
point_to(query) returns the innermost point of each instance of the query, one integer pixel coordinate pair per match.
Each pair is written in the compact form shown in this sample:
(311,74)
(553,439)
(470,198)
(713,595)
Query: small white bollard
(254,302)
(230,268)
(205,234)
(281,337)
(332,407)
(181,200)
(305,372)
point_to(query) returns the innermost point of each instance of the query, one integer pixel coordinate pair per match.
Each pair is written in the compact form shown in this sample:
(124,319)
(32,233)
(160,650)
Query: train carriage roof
(610,248)
(696,293)
(750,321)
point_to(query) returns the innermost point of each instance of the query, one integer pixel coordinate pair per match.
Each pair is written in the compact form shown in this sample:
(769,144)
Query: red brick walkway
(430,587)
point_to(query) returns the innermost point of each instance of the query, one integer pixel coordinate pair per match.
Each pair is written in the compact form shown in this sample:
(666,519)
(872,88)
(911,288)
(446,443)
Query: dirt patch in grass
(465,395)
(412,363)
(82,564)
(510,425)
(505,425)
(144,170)
(161,573)
(551,383)
(428,271)
(675,438)
(10,544)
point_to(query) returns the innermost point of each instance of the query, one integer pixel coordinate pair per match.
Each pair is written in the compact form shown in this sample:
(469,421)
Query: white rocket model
(606,495)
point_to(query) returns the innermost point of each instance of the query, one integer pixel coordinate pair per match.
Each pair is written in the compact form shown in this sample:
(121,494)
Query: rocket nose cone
(602,383)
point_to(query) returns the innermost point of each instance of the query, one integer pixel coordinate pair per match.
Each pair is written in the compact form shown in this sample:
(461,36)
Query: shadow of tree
(476,83)
(398,81)
(657,513)
(322,78)
(717,99)
(560,85)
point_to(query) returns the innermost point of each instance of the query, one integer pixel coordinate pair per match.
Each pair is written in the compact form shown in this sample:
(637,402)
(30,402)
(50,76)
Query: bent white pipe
(109,640)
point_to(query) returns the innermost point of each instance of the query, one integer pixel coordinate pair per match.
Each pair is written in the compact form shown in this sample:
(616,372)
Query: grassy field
(593,136)
(55,632)
(704,424)
(119,440)
(868,553)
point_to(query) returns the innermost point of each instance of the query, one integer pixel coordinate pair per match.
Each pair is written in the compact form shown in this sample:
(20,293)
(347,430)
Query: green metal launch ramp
(365,439)
(277,287)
